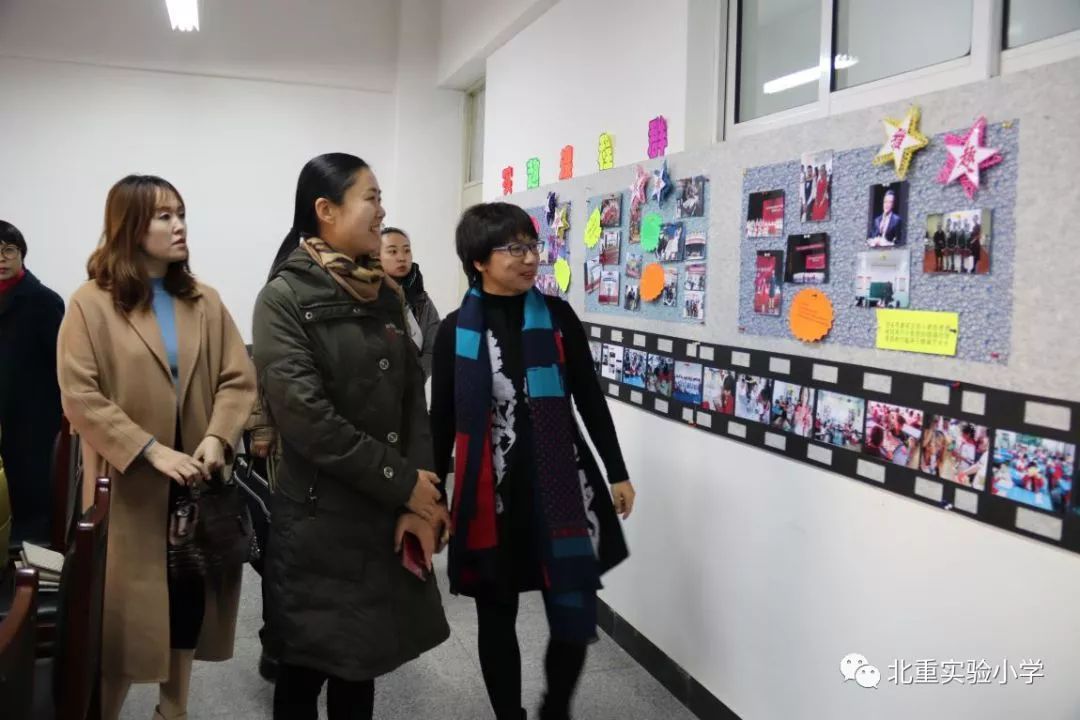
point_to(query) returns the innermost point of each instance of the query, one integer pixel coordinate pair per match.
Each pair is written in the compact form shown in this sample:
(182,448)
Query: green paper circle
(650,231)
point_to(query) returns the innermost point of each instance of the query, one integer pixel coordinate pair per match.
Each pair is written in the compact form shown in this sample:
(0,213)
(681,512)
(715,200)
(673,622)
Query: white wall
(233,148)
(428,167)
(470,30)
(584,68)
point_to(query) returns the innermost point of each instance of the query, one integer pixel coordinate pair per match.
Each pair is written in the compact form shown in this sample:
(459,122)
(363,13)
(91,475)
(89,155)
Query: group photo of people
(955,450)
(793,408)
(815,196)
(957,242)
(1033,470)
(893,433)
(838,420)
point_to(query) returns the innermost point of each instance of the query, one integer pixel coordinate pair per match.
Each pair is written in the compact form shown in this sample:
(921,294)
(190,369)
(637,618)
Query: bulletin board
(553,245)
(983,300)
(690,270)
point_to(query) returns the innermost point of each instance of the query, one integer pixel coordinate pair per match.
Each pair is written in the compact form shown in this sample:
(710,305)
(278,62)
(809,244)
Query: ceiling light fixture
(184,14)
(804,77)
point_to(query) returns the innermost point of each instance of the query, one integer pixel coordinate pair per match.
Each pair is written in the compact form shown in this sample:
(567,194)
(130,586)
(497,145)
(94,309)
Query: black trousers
(296,696)
(500,661)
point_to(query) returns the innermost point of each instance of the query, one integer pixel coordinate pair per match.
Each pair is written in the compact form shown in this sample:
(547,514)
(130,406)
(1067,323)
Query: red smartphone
(412,556)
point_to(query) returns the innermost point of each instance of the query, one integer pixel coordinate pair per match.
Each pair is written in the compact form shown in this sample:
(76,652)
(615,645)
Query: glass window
(1031,20)
(877,39)
(476,135)
(779,48)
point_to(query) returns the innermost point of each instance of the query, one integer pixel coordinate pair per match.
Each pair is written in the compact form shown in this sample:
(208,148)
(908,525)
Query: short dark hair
(486,226)
(395,231)
(10,235)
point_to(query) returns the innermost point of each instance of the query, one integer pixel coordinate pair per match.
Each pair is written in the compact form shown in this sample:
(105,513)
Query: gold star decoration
(902,139)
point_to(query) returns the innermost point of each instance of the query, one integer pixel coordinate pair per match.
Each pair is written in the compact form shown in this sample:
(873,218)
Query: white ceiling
(343,43)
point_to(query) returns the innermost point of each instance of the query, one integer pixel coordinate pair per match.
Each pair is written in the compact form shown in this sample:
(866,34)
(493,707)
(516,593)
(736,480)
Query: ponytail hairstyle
(327,176)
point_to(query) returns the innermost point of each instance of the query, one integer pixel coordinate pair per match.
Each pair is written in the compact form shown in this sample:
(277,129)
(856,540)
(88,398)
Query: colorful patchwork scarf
(570,567)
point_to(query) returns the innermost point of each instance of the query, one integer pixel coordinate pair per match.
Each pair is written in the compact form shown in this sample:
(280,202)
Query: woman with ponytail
(343,387)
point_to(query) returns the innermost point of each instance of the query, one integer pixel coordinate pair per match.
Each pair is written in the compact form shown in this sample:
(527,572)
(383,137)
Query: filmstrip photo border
(995,409)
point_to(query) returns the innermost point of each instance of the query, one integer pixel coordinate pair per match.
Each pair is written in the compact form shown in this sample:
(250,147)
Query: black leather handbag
(224,531)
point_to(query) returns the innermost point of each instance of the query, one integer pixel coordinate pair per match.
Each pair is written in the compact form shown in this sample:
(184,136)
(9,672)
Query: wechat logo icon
(856,667)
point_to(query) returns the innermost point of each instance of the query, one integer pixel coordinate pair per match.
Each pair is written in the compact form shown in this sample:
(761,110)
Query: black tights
(500,661)
(296,696)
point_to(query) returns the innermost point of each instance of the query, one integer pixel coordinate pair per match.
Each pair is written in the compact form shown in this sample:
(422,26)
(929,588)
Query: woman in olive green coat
(340,378)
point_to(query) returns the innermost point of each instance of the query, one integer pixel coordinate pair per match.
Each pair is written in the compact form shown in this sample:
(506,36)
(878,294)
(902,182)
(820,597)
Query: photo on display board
(695,246)
(718,392)
(634,367)
(955,450)
(687,383)
(893,433)
(883,279)
(613,359)
(769,282)
(660,375)
(609,287)
(611,248)
(671,287)
(887,215)
(691,194)
(611,211)
(634,263)
(792,408)
(765,214)
(670,248)
(1032,470)
(592,276)
(694,306)
(957,242)
(632,296)
(597,349)
(838,420)
(753,398)
(815,187)
(695,278)
(635,225)
(556,248)
(807,259)
(546,283)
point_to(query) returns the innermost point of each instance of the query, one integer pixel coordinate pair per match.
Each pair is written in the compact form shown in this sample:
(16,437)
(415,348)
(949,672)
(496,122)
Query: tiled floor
(444,684)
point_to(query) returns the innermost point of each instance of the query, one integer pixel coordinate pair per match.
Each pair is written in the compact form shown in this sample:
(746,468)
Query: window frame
(470,127)
(986,59)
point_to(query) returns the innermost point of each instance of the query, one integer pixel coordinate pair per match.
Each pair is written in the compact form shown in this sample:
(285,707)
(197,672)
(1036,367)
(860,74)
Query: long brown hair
(115,266)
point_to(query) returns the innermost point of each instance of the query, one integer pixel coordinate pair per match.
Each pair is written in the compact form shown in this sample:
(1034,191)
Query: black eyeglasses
(9,252)
(519,250)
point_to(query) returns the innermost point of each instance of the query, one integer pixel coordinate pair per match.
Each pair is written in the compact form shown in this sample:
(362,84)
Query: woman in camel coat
(146,348)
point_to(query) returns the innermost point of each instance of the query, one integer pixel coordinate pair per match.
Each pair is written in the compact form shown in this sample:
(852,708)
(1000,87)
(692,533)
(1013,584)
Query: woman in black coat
(531,509)
(340,378)
(30,316)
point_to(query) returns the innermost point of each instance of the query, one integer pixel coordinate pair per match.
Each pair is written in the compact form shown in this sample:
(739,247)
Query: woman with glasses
(531,510)
(30,316)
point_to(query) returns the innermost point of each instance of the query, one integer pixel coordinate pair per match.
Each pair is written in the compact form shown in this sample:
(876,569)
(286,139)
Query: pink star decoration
(966,156)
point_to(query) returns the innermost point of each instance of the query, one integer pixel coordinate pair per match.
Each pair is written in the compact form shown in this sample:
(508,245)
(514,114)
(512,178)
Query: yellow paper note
(921,331)
(562,274)
(592,229)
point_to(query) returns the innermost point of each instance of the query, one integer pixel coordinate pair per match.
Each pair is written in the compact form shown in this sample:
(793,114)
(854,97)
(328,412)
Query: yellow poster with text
(921,331)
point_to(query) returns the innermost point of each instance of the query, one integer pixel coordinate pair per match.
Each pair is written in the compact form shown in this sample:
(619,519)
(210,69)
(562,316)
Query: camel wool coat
(117,391)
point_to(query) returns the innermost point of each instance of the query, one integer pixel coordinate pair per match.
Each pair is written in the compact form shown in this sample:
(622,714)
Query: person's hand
(178,467)
(422,530)
(441,525)
(211,453)
(425,497)
(623,494)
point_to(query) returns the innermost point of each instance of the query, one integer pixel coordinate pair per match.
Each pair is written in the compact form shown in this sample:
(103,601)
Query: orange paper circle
(652,282)
(811,315)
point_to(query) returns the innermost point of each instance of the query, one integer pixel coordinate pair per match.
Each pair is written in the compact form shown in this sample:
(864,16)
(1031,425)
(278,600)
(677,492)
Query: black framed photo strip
(999,457)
